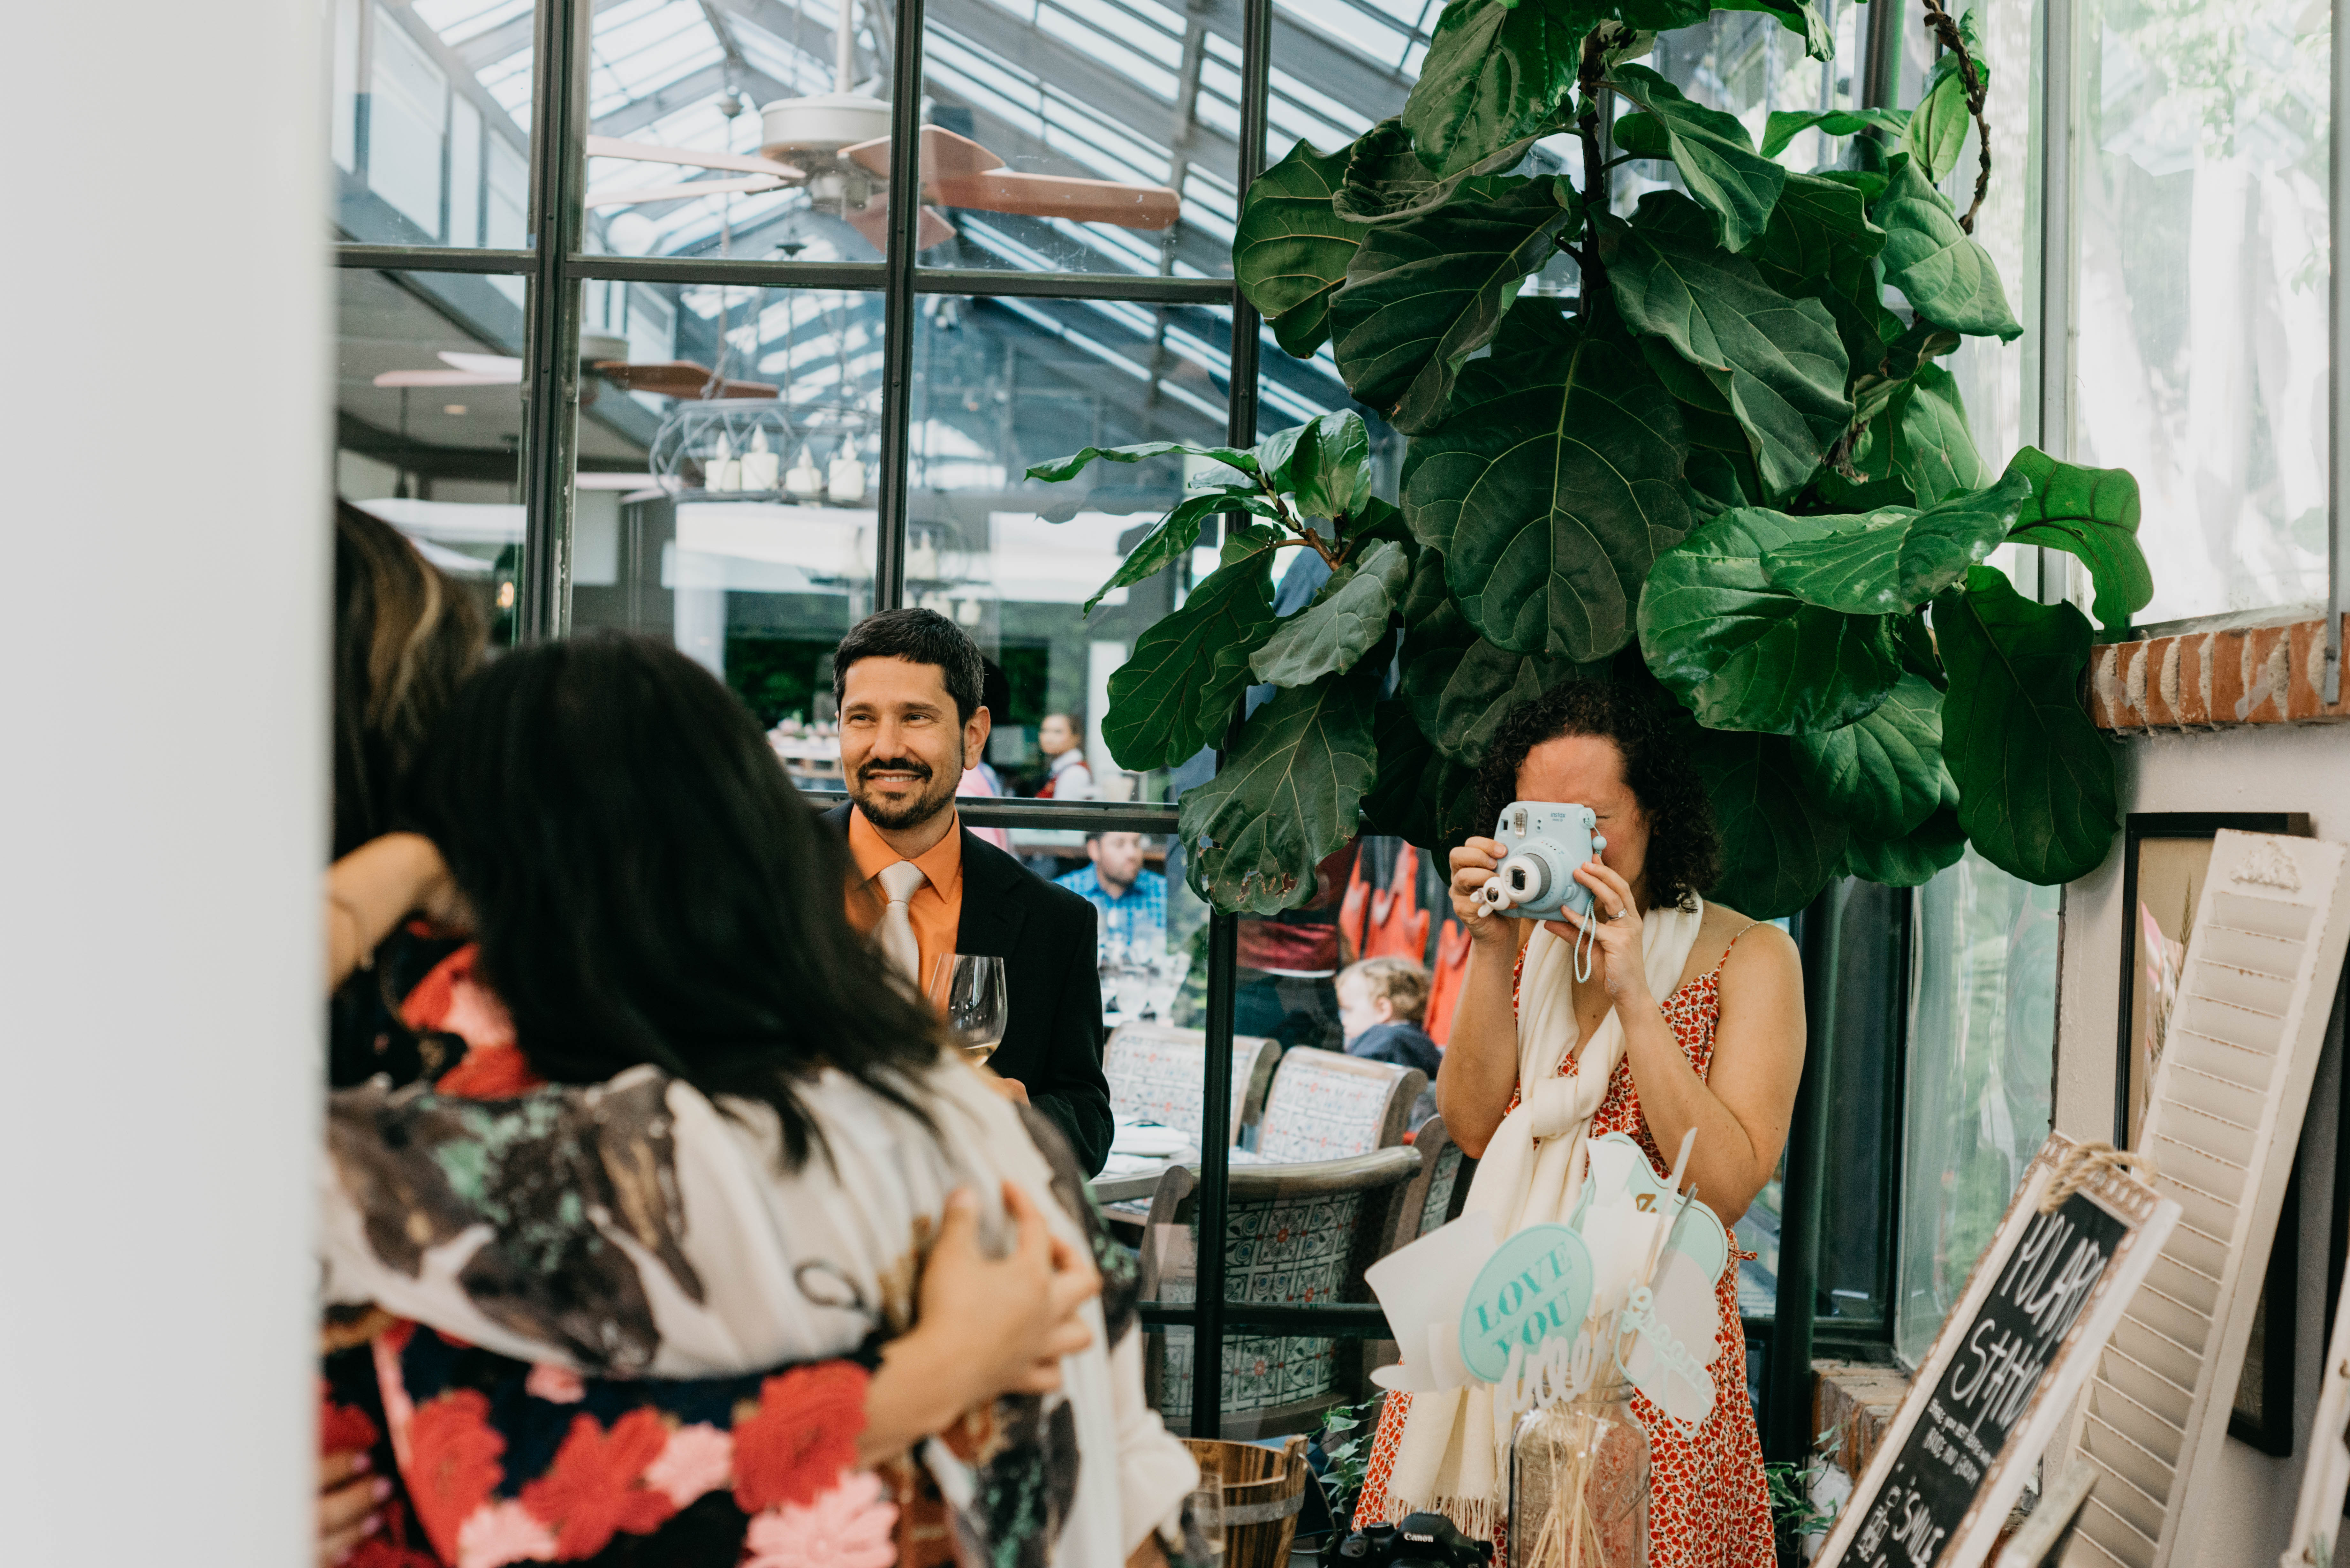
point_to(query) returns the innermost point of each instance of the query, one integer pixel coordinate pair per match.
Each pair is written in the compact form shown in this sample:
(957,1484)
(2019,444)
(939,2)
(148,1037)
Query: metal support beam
(1787,1394)
(2337,406)
(898,307)
(2058,332)
(1214,1202)
(551,367)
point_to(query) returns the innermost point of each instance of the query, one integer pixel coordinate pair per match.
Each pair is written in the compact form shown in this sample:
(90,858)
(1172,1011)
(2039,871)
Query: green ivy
(1730,459)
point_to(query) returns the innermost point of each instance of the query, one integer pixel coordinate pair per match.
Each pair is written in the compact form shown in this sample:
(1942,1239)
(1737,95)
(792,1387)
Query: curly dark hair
(1684,851)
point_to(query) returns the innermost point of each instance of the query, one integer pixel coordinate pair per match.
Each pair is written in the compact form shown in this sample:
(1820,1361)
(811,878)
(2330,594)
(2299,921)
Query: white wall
(2244,1518)
(163,779)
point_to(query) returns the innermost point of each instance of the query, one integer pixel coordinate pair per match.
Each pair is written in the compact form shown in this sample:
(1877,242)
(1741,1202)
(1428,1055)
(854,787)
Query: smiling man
(908,683)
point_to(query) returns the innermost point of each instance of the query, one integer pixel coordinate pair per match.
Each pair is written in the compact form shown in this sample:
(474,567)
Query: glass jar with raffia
(1579,1484)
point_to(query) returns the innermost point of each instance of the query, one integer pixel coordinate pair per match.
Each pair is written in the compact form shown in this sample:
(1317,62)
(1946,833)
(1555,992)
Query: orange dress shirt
(935,911)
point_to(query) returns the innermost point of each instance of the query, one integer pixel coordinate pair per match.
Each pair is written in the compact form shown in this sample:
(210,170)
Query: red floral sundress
(1708,1505)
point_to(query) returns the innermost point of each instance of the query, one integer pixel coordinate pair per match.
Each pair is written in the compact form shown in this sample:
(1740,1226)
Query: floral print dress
(1708,1505)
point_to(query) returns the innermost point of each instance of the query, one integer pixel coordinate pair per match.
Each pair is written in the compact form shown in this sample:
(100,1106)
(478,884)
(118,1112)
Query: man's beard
(933,797)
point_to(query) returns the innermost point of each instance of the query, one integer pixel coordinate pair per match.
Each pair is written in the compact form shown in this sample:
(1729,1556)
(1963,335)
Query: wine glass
(1207,1509)
(968,989)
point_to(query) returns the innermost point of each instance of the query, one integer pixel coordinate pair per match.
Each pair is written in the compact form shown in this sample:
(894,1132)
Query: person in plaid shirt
(1132,899)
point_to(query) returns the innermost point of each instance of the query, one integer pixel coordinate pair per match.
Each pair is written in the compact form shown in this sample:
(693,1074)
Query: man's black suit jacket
(1046,935)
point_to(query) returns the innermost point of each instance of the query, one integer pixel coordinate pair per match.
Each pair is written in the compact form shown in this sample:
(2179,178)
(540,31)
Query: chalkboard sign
(2040,1304)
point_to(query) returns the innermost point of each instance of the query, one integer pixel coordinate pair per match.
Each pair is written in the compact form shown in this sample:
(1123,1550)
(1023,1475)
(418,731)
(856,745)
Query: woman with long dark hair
(1690,1018)
(653,1288)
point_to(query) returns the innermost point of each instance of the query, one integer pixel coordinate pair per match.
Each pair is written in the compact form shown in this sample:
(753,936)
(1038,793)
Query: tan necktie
(899,944)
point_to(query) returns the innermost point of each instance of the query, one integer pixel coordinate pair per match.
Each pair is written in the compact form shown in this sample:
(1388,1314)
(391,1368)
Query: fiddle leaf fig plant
(1730,463)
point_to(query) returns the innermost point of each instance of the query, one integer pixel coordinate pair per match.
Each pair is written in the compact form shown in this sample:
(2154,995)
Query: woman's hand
(374,888)
(348,1495)
(1473,863)
(983,1326)
(1616,927)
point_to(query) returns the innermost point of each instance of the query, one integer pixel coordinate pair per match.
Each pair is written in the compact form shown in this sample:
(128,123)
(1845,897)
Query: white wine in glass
(968,990)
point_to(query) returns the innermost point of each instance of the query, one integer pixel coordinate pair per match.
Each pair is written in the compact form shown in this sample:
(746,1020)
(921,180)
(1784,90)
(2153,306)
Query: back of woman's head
(405,636)
(647,886)
(1684,854)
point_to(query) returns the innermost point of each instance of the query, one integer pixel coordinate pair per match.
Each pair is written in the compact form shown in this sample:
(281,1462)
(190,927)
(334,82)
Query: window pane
(2201,291)
(1981,1061)
(428,418)
(1081,136)
(741,527)
(431,133)
(678,81)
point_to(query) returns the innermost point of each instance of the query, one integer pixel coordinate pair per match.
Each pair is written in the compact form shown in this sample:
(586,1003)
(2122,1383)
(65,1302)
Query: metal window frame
(555,269)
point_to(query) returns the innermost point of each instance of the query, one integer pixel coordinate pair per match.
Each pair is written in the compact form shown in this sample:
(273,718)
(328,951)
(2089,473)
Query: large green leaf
(1881,773)
(1496,72)
(1069,467)
(1461,694)
(1717,160)
(1745,655)
(1896,561)
(1176,692)
(1779,845)
(1425,294)
(1387,181)
(1551,488)
(1321,464)
(1421,794)
(1821,245)
(1800,18)
(1778,360)
(1343,623)
(2091,512)
(1949,280)
(1289,794)
(1933,446)
(1176,534)
(1936,132)
(1911,860)
(2036,792)
(1786,124)
(1881,374)
(1291,247)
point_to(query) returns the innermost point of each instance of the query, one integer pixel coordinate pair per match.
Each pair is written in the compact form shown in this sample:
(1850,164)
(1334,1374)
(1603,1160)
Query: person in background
(1061,738)
(908,684)
(1130,896)
(735,1231)
(1381,1001)
(981,779)
(1288,961)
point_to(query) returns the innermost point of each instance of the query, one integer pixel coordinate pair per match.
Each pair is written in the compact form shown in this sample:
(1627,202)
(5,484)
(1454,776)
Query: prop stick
(1666,1227)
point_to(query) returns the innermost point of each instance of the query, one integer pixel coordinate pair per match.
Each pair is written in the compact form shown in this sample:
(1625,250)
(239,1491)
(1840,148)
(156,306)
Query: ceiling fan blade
(1063,196)
(676,379)
(944,153)
(506,365)
(636,194)
(647,152)
(872,221)
(443,379)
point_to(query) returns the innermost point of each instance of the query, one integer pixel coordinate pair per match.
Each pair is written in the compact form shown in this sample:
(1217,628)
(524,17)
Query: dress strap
(1733,942)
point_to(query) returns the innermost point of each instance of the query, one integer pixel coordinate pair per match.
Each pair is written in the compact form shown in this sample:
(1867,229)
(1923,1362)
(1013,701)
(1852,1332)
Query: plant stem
(1590,76)
(1946,31)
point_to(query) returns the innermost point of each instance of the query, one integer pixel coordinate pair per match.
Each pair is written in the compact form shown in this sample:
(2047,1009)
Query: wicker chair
(1297,1234)
(1325,1104)
(1421,1205)
(1156,1073)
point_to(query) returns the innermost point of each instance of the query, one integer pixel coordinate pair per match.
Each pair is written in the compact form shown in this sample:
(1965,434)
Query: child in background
(1380,1003)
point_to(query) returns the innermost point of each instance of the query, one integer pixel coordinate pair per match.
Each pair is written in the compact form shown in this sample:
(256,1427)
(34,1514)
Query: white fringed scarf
(1530,1175)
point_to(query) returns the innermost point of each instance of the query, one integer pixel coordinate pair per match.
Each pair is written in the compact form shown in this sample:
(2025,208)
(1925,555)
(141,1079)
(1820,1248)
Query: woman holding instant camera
(1622,1002)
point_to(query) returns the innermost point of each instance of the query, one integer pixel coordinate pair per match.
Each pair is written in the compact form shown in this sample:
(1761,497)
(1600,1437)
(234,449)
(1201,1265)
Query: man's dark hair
(1684,851)
(918,636)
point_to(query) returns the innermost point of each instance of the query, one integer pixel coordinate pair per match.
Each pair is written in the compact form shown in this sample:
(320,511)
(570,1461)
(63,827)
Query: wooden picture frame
(1944,1505)
(2164,856)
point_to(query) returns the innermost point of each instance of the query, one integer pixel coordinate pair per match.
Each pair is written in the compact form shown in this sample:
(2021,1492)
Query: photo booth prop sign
(2077,1238)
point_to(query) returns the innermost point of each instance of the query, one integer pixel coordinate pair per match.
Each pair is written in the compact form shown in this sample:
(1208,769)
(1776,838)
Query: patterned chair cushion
(1155,1074)
(1440,1189)
(1326,1106)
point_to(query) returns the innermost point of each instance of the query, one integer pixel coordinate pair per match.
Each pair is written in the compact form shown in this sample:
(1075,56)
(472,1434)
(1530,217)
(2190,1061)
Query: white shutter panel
(2221,1127)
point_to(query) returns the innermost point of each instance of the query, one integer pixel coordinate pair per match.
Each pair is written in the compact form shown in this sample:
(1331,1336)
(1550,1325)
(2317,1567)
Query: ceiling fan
(669,377)
(837,145)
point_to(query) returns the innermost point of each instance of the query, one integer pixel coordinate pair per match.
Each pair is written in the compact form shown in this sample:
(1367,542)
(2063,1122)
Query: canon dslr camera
(1544,842)
(1421,1541)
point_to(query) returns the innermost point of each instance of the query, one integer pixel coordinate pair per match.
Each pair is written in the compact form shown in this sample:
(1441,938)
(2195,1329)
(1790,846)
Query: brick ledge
(2204,680)
(1857,1402)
